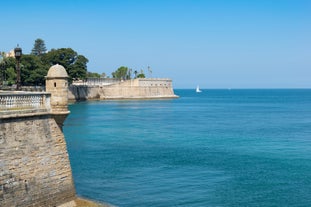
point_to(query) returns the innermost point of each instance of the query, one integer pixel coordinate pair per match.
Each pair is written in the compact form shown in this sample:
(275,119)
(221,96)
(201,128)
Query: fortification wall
(34,164)
(130,89)
(155,82)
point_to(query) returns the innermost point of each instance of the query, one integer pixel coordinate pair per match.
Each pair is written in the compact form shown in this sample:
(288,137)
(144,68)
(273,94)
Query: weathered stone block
(34,164)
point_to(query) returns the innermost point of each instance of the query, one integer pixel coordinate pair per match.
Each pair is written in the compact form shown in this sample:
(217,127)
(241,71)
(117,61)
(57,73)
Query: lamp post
(18,55)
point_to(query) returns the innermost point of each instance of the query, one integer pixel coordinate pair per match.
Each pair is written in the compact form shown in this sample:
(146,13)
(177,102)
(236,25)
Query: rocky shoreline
(82,202)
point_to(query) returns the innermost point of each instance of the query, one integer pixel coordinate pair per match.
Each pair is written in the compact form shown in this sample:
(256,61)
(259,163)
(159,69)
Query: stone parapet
(24,102)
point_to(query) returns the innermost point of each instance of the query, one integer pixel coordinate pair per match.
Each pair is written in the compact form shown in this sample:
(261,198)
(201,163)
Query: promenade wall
(34,164)
(130,89)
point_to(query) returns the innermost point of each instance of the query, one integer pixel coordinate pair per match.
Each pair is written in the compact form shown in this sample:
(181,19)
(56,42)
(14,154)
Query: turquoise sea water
(216,148)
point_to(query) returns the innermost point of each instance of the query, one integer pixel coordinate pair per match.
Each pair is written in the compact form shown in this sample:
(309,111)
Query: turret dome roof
(57,71)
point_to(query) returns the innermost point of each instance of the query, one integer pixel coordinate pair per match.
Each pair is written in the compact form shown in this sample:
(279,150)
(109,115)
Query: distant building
(10,54)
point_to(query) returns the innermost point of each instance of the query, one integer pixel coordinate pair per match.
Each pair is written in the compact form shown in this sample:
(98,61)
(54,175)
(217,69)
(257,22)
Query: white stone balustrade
(96,82)
(16,101)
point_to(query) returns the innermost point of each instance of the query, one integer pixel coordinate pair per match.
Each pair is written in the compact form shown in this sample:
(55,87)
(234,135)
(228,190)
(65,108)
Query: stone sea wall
(130,89)
(34,164)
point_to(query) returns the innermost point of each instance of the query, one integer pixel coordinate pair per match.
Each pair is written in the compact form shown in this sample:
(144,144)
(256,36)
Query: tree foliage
(75,64)
(124,73)
(33,71)
(121,73)
(11,76)
(8,73)
(39,47)
(141,75)
(34,68)
(93,75)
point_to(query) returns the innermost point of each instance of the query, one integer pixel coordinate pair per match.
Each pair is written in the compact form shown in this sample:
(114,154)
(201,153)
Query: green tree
(141,74)
(11,75)
(75,64)
(33,71)
(121,73)
(8,66)
(93,75)
(39,47)
(2,66)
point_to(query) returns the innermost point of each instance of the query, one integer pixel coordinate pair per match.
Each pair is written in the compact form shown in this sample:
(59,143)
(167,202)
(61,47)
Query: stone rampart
(34,164)
(130,89)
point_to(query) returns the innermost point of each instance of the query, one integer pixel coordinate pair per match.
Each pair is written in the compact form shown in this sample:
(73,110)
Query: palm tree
(150,71)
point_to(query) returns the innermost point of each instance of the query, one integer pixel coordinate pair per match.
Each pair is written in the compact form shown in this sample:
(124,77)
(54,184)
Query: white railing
(16,101)
(96,82)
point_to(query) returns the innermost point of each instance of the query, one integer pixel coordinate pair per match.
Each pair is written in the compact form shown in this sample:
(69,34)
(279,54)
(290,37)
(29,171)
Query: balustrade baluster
(24,101)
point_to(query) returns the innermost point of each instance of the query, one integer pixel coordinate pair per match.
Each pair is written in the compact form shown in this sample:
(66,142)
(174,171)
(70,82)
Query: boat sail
(198,90)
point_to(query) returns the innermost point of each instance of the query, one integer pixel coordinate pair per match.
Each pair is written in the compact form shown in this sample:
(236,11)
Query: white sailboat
(198,90)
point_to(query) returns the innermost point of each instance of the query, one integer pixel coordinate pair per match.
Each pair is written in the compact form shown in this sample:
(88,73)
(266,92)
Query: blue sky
(216,44)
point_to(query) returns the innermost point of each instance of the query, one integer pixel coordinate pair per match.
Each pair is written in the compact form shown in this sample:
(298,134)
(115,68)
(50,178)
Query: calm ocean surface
(215,148)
